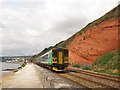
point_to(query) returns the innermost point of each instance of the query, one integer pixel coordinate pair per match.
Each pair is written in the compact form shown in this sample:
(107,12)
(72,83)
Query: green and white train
(56,59)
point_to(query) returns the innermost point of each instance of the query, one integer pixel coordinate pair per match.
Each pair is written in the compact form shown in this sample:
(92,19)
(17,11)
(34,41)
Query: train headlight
(66,59)
(54,60)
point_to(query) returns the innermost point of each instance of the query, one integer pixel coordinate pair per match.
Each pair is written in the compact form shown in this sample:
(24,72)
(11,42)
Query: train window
(66,53)
(54,53)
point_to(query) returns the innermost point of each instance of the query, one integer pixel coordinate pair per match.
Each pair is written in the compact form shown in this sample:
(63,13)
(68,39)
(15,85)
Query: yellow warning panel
(60,59)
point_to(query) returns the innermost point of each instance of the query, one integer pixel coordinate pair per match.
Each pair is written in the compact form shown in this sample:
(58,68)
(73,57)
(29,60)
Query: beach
(5,75)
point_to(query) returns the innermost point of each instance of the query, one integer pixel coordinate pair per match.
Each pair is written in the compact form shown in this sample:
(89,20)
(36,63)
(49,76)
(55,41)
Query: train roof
(59,48)
(53,49)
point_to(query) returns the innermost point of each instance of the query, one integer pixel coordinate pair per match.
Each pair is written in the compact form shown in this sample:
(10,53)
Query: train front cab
(59,59)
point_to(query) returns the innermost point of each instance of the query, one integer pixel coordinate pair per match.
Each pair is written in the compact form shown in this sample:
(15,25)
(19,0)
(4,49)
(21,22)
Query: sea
(4,65)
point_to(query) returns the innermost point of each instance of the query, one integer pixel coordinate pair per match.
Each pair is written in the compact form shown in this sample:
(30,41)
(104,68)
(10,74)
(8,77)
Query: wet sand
(6,77)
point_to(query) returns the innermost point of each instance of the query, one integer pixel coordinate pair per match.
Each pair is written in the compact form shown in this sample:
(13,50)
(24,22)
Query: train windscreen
(54,53)
(66,53)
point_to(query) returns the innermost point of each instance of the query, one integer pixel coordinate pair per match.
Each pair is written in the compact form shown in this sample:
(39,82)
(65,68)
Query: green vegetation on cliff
(108,63)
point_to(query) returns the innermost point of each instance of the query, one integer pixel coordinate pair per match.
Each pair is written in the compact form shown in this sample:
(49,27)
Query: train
(57,59)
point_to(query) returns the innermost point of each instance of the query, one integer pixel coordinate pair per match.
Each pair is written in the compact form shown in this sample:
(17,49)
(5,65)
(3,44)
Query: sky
(29,26)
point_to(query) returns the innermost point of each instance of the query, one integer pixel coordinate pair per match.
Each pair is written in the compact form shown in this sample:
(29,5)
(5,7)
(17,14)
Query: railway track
(90,80)
(74,80)
(99,75)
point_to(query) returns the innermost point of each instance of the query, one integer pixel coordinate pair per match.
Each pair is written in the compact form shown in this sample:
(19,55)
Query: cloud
(29,26)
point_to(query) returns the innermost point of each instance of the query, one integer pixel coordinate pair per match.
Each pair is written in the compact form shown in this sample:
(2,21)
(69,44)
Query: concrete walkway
(24,78)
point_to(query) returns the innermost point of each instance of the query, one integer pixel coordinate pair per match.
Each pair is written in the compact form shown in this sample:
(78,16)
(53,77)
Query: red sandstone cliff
(96,39)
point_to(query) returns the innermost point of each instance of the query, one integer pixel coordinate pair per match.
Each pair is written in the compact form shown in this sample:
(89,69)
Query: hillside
(96,39)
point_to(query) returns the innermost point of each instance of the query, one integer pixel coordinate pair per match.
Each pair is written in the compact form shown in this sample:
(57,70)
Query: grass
(108,63)
(76,66)
(104,59)
(86,68)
